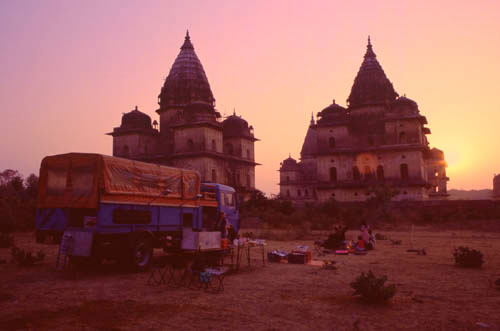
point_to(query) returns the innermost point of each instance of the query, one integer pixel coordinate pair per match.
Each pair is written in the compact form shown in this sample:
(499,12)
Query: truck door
(229,206)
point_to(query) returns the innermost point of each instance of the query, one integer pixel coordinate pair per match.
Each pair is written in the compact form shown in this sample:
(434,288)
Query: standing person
(223,225)
(231,233)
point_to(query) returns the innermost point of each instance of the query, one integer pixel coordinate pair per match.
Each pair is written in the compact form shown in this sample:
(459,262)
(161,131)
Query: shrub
(6,240)
(467,257)
(24,258)
(372,289)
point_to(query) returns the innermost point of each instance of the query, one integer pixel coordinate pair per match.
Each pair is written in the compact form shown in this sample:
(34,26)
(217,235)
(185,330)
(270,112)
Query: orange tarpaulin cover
(75,180)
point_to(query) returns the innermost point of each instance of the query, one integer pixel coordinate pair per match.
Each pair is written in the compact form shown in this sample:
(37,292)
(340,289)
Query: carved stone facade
(378,139)
(496,187)
(192,133)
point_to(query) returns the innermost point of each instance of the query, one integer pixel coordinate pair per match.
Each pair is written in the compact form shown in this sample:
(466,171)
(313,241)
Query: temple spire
(186,82)
(187,41)
(369,49)
(312,118)
(371,85)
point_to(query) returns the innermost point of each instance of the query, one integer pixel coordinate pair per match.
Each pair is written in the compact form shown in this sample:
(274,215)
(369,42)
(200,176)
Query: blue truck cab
(227,202)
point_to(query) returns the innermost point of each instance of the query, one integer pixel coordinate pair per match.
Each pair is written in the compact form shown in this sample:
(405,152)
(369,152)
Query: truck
(115,208)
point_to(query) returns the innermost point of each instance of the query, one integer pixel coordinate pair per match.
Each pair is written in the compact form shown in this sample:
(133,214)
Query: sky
(70,69)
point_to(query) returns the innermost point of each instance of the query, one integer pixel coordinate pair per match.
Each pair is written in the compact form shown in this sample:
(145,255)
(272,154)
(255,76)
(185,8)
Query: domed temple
(379,139)
(191,133)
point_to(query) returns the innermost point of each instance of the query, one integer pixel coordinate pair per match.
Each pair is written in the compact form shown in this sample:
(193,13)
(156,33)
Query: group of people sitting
(337,241)
(366,240)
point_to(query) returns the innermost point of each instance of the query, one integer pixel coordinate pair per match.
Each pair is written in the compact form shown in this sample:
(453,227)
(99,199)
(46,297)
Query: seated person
(360,244)
(365,234)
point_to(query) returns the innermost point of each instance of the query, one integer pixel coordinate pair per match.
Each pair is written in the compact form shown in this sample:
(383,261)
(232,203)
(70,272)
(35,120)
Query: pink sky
(69,69)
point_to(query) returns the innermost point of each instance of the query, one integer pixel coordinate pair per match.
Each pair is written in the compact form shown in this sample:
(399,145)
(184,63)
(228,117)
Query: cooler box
(297,258)
(271,257)
(308,255)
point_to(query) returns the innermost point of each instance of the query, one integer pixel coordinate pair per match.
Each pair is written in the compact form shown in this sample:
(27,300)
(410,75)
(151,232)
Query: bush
(6,240)
(372,289)
(23,258)
(468,258)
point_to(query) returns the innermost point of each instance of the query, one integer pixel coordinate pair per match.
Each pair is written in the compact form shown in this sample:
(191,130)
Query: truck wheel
(142,253)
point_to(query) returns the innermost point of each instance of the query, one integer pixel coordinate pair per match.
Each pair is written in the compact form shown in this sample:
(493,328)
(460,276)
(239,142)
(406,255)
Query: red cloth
(76,180)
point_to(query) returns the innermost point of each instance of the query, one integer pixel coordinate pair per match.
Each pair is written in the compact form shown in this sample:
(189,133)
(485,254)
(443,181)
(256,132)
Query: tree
(17,200)
(378,203)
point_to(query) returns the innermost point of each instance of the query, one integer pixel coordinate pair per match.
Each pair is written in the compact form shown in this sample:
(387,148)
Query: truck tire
(142,253)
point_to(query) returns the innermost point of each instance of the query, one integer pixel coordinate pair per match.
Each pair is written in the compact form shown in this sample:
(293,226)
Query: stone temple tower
(192,133)
(378,139)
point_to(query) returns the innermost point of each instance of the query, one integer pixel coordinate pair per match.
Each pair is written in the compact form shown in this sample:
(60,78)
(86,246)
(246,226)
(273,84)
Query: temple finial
(369,49)
(234,111)
(312,118)
(187,41)
(333,101)
(136,108)
(289,155)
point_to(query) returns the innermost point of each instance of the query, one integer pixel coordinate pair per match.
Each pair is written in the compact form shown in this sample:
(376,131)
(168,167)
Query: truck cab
(227,202)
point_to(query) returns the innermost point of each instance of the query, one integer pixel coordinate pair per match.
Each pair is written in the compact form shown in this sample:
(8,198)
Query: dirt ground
(432,293)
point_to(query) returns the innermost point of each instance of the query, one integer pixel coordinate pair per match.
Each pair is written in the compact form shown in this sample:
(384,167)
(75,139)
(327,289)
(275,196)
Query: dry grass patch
(432,293)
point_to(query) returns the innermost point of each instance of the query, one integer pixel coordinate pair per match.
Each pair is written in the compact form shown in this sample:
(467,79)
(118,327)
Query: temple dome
(187,82)
(289,164)
(235,127)
(331,109)
(403,102)
(135,119)
(371,85)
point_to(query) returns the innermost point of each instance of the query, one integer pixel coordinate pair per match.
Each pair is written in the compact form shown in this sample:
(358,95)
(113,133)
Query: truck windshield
(229,199)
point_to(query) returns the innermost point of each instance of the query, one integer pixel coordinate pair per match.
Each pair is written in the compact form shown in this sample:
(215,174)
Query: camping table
(175,268)
(245,248)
